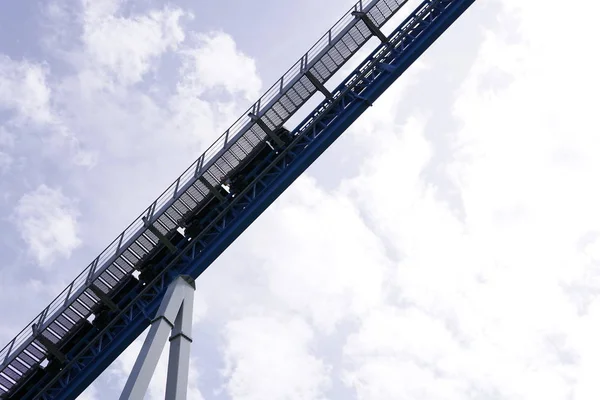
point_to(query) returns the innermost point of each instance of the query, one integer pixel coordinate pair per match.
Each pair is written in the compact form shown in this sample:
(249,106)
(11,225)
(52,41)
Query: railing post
(92,271)
(42,317)
(199,165)
(176,187)
(68,293)
(10,346)
(151,211)
(120,242)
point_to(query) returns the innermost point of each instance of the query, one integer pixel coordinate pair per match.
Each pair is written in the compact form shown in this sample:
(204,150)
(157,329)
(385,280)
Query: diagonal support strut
(369,23)
(320,87)
(174,316)
(267,130)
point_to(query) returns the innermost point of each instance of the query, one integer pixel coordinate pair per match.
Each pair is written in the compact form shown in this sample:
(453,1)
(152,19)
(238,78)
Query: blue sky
(446,247)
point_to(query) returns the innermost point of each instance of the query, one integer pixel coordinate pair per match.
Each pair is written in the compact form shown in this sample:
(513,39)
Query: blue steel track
(269,179)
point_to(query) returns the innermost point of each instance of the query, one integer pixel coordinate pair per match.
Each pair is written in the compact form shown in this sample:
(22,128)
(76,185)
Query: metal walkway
(108,305)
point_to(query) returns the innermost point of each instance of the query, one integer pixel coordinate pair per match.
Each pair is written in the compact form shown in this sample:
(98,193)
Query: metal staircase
(114,299)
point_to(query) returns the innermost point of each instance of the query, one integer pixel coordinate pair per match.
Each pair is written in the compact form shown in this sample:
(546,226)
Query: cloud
(27,93)
(496,304)
(373,281)
(47,222)
(24,91)
(214,61)
(343,273)
(91,393)
(125,48)
(404,354)
(270,357)
(6,146)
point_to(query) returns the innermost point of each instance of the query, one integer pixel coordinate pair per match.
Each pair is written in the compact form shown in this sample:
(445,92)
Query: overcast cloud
(446,247)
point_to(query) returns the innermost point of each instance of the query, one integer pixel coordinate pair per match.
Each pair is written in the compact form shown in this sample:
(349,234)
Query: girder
(194,189)
(227,218)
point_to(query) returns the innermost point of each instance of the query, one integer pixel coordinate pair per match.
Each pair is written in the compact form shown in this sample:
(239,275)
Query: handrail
(135,229)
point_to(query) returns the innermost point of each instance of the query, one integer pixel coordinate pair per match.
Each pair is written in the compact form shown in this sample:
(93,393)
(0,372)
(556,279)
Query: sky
(447,246)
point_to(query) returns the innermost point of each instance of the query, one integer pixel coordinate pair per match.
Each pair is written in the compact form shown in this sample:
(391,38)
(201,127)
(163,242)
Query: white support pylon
(174,316)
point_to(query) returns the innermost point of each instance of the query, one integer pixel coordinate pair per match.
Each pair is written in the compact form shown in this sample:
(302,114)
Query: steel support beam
(229,219)
(52,348)
(320,87)
(212,189)
(267,130)
(179,354)
(104,298)
(372,27)
(174,316)
(163,239)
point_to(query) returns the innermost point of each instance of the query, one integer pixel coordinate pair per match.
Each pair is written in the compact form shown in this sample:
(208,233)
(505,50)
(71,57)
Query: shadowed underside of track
(208,207)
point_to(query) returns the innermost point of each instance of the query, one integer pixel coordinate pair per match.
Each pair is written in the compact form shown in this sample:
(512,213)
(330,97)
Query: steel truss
(47,335)
(312,137)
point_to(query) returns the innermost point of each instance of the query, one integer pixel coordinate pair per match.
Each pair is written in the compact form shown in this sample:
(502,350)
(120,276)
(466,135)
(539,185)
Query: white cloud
(91,393)
(341,269)
(502,303)
(24,90)
(47,222)
(482,306)
(126,47)
(5,162)
(215,62)
(6,146)
(270,357)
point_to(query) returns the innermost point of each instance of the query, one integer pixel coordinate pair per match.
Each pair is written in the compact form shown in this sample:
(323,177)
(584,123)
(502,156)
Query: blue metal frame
(23,354)
(312,137)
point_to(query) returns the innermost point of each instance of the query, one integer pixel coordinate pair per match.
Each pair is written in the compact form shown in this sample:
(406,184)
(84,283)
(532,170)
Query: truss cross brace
(174,316)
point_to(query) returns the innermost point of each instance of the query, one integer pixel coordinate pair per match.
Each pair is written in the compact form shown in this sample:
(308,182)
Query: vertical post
(176,187)
(12,343)
(120,242)
(179,351)
(199,165)
(41,320)
(68,293)
(151,211)
(174,315)
(92,270)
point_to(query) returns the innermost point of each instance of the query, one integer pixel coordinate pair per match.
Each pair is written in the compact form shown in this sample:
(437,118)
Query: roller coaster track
(66,347)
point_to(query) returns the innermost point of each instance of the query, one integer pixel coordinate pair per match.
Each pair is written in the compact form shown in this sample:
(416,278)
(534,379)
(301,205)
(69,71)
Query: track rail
(311,138)
(76,302)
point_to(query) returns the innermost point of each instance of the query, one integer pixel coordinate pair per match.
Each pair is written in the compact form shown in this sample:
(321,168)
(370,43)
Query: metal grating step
(274,108)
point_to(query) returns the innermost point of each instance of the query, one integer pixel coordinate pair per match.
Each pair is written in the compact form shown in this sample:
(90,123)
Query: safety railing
(134,230)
